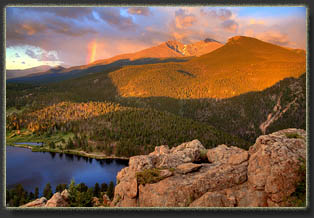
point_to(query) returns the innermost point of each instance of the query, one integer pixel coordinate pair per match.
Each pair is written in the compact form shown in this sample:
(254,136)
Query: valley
(122,107)
(219,97)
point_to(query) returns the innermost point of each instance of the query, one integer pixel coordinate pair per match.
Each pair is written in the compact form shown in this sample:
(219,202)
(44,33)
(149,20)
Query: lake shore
(67,151)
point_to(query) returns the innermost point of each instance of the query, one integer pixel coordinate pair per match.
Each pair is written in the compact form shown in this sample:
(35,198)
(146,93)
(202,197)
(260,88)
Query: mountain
(242,65)
(195,49)
(190,89)
(171,48)
(54,70)
(170,51)
(20,73)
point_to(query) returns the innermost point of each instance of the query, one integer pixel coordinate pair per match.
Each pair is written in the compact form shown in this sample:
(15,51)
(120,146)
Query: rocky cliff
(191,176)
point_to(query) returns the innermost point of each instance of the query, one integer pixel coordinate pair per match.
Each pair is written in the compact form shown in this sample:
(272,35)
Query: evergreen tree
(36,194)
(96,190)
(47,191)
(52,145)
(103,187)
(31,196)
(61,187)
(110,190)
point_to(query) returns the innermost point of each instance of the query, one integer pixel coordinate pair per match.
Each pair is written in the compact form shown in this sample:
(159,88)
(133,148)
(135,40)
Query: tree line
(80,195)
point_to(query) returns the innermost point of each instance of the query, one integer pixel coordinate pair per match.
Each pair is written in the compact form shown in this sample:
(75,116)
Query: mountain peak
(210,40)
(176,46)
(242,39)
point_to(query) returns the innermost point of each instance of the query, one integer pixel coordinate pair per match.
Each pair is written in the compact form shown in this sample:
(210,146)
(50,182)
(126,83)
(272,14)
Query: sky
(72,36)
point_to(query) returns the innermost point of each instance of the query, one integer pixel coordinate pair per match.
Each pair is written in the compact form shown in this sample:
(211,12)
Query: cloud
(255,21)
(67,28)
(31,54)
(230,25)
(275,37)
(222,14)
(113,17)
(184,20)
(32,29)
(145,11)
(42,55)
(68,12)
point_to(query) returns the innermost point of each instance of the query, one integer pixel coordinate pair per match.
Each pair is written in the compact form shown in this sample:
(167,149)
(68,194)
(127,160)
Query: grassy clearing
(13,137)
(12,110)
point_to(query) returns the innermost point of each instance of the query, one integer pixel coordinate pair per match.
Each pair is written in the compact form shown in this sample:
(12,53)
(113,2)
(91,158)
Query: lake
(36,169)
(30,143)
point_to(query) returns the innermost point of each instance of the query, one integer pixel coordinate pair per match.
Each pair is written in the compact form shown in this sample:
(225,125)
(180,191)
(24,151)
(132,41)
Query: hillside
(170,48)
(242,65)
(20,73)
(112,129)
(170,51)
(181,89)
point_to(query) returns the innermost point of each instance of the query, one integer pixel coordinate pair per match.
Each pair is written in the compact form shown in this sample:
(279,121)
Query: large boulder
(187,152)
(57,201)
(275,161)
(106,200)
(95,202)
(65,194)
(264,176)
(40,202)
(224,154)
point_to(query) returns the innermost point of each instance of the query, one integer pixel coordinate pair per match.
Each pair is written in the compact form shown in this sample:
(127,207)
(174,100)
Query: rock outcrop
(57,200)
(40,202)
(264,176)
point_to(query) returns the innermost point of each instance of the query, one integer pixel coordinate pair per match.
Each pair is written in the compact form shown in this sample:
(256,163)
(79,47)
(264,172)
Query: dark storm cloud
(113,17)
(68,12)
(139,11)
(34,26)
(67,27)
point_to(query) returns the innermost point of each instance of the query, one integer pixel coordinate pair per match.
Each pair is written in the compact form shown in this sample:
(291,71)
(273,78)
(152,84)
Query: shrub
(293,135)
(298,198)
(148,176)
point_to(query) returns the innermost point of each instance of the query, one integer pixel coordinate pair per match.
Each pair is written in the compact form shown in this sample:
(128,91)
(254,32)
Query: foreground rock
(264,176)
(40,202)
(57,200)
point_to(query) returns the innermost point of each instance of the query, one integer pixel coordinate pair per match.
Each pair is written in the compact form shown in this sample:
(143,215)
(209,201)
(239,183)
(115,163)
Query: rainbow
(92,48)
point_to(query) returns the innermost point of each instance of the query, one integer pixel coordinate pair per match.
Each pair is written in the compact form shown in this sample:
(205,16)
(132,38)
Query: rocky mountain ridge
(194,49)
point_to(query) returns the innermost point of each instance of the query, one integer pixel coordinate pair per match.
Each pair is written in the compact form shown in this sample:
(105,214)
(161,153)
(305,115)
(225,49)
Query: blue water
(36,169)
(29,143)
